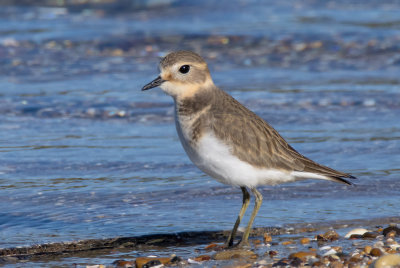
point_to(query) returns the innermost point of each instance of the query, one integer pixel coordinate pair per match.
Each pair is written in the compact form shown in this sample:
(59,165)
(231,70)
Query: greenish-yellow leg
(257,205)
(246,200)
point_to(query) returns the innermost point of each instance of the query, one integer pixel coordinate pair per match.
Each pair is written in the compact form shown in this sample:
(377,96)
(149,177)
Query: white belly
(215,159)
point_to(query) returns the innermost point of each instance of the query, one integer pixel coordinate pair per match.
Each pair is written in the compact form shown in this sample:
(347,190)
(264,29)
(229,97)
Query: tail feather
(329,173)
(342,180)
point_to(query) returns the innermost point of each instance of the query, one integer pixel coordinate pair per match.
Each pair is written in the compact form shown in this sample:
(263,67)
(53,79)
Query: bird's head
(182,74)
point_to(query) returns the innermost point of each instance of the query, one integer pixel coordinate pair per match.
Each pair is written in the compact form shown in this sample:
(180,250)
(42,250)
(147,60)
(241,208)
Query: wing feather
(256,142)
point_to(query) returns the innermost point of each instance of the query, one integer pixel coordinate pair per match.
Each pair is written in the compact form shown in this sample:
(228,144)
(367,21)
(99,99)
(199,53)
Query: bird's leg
(257,205)
(246,200)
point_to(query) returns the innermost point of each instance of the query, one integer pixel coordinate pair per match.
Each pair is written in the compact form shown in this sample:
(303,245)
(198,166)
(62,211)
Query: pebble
(302,255)
(391,234)
(211,246)
(395,246)
(330,252)
(367,249)
(192,261)
(391,229)
(336,264)
(202,258)
(234,254)
(256,242)
(267,238)
(330,235)
(386,261)
(372,235)
(304,241)
(375,252)
(325,248)
(272,253)
(379,244)
(262,262)
(123,263)
(150,261)
(357,231)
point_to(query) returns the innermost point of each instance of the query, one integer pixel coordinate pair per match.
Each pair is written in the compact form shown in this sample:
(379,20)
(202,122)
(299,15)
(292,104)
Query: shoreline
(284,240)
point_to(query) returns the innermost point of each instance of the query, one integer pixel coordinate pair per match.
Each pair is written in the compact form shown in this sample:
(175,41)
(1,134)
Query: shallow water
(85,154)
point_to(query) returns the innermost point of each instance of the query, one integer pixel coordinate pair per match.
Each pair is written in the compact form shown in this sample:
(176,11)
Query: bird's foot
(243,244)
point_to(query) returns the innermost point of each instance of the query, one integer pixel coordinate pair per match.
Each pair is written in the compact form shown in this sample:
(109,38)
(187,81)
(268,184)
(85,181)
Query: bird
(229,142)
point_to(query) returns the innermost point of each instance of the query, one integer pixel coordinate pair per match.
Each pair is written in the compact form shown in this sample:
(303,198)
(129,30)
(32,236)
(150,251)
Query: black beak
(155,83)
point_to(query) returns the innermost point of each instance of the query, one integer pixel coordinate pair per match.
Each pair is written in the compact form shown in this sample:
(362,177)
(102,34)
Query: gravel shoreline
(343,244)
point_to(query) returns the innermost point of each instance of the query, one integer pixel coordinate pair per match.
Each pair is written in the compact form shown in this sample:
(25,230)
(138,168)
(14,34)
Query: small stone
(389,260)
(330,252)
(210,246)
(192,261)
(117,52)
(325,248)
(367,249)
(174,259)
(272,253)
(395,246)
(357,231)
(123,263)
(316,44)
(379,244)
(390,241)
(391,234)
(375,252)
(372,235)
(296,262)
(338,249)
(142,262)
(281,263)
(234,254)
(202,258)
(356,236)
(256,242)
(303,255)
(391,251)
(285,243)
(390,229)
(304,241)
(262,262)
(151,263)
(246,265)
(121,113)
(333,257)
(267,238)
(336,264)
(330,235)
(300,46)
(318,264)
(356,258)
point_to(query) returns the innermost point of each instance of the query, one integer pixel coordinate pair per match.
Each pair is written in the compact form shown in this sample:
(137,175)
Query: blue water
(85,154)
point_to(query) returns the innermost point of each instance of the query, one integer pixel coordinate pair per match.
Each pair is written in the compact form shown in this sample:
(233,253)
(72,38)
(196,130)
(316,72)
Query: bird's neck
(195,103)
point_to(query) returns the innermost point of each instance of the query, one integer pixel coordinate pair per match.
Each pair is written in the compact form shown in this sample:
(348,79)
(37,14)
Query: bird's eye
(184,69)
